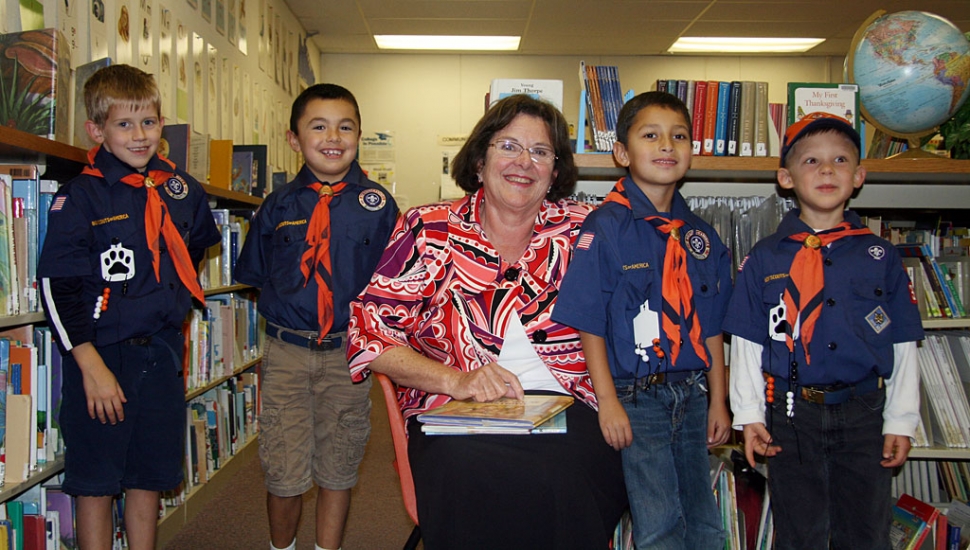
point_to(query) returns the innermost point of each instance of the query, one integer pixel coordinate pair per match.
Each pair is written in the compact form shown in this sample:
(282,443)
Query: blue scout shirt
(613,286)
(362,217)
(867,306)
(96,234)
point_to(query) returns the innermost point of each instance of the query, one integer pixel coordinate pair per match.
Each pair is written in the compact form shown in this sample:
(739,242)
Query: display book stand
(584,120)
(61,162)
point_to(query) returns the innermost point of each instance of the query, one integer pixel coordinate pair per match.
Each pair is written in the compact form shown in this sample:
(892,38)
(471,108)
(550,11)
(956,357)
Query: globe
(912,69)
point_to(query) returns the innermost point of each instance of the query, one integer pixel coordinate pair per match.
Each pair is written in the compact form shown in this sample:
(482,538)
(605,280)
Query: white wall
(419,97)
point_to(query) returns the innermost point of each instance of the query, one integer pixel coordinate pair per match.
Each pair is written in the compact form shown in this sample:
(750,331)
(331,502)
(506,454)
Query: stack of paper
(532,414)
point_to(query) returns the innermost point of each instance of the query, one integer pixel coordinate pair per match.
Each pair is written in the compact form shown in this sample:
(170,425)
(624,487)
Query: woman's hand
(488,383)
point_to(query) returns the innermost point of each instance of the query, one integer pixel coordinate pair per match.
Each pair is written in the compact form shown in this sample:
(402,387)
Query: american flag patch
(58,203)
(584,242)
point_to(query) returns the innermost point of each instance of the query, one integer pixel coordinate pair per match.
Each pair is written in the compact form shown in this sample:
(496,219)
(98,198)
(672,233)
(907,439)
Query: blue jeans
(826,484)
(668,478)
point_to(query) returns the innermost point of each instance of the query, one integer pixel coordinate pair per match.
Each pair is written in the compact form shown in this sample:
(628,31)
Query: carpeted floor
(236,518)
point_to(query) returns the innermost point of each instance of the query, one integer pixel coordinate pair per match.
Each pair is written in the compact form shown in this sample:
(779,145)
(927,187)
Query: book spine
(710,118)
(761,119)
(723,105)
(746,138)
(734,119)
(697,124)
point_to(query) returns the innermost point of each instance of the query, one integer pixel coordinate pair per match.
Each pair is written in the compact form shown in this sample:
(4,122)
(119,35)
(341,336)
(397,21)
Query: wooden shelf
(963,322)
(226,289)
(939,453)
(763,169)
(25,319)
(40,475)
(232,196)
(214,383)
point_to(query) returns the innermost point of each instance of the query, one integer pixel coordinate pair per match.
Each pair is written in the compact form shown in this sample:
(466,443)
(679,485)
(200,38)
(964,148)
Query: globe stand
(914,151)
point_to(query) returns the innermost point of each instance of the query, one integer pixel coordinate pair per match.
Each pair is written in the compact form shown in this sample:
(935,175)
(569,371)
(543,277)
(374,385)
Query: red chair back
(400,439)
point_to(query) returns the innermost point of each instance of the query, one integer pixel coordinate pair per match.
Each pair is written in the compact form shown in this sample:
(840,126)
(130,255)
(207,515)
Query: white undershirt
(519,357)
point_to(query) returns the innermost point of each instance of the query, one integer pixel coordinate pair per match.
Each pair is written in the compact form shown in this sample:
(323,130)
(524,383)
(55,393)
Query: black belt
(838,393)
(309,342)
(140,341)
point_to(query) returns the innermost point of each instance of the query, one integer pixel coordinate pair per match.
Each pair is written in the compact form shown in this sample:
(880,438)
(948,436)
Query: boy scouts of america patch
(176,187)
(878,319)
(372,199)
(698,243)
(877,252)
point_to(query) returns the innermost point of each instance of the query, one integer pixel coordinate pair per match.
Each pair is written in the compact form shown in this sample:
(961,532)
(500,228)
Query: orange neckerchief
(316,259)
(158,222)
(803,293)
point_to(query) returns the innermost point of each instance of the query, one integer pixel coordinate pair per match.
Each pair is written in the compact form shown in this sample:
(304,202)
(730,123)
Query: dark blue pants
(828,486)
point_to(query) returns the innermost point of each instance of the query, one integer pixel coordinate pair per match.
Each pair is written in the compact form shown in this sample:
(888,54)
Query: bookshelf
(61,162)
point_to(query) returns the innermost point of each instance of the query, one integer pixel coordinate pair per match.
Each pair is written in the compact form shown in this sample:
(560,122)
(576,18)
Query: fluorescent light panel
(743,45)
(429,42)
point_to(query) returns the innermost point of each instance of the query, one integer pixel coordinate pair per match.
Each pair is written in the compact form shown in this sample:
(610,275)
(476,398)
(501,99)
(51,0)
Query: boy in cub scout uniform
(117,278)
(312,247)
(824,377)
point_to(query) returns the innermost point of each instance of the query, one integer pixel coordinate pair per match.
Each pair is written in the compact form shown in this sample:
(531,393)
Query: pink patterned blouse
(442,290)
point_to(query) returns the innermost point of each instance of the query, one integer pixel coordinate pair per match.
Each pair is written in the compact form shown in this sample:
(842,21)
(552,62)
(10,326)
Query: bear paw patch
(117,263)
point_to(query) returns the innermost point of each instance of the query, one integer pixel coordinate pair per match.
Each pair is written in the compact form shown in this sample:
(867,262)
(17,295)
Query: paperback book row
(944,367)
(30,395)
(600,85)
(221,338)
(219,423)
(933,481)
(941,282)
(220,259)
(41,518)
(729,118)
(24,203)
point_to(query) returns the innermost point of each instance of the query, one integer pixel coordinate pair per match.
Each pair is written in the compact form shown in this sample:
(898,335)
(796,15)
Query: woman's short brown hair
(469,161)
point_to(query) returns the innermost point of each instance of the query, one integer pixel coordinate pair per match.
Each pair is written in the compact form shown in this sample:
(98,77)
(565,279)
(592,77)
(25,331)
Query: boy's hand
(615,424)
(895,449)
(488,383)
(104,395)
(758,440)
(718,424)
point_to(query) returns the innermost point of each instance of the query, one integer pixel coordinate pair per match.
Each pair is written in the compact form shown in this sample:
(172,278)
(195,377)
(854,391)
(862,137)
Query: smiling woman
(460,309)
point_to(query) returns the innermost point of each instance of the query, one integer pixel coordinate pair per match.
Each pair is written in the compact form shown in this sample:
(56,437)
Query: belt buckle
(656,378)
(813,396)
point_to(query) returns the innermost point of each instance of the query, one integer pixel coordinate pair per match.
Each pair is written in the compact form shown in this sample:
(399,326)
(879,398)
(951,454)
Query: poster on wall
(72,20)
(237,106)
(181,73)
(205,8)
(243,46)
(449,146)
(166,80)
(98,30)
(304,68)
(225,99)
(221,17)
(123,37)
(231,23)
(277,54)
(212,92)
(198,83)
(377,157)
(261,31)
(247,96)
(147,56)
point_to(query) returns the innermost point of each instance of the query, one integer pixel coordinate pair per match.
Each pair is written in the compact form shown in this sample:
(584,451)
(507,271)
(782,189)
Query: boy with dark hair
(825,329)
(647,289)
(312,247)
(123,241)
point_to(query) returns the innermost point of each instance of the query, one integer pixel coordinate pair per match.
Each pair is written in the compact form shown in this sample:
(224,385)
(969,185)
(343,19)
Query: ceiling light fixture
(429,42)
(699,44)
